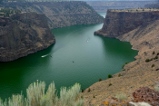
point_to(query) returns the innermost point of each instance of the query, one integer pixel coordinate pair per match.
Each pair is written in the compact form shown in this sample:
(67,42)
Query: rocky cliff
(119,22)
(60,14)
(23,34)
(143,71)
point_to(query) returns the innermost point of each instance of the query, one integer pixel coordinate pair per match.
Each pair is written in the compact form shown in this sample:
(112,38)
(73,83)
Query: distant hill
(102,6)
(60,14)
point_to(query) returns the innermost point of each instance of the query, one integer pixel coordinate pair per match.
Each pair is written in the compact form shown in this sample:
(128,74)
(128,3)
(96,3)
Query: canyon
(27,30)
(60,14)
(140,28)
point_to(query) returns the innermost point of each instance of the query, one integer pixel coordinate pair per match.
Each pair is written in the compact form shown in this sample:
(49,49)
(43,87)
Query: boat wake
(45,55)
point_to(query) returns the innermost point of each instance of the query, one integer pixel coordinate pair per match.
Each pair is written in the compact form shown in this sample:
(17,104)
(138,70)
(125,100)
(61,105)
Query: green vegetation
(156,87)
(119,75)
(6,12)
(153,65)
(153,52)
(37,95)
(110,76)
(121,96)
(100,79)
(89,90)
(110,84)
(155,58)
(147,60)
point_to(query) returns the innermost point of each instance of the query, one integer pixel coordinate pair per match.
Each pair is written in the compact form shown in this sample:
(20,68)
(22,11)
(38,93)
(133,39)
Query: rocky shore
(141,29)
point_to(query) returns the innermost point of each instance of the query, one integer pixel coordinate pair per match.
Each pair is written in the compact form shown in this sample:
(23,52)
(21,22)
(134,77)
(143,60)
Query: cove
(78,56)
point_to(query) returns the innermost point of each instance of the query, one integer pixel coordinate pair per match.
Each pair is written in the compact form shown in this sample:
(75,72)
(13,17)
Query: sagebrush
(38,95)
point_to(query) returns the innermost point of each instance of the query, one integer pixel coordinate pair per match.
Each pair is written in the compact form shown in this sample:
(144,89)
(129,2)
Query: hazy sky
(118,0)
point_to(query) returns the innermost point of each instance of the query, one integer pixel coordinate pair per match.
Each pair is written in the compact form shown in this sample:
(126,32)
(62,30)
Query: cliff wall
(119,22)
(23,34)
(60,14)
(143,71)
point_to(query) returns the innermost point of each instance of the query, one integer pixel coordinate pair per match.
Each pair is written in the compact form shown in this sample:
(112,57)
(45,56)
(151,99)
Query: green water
(77,56)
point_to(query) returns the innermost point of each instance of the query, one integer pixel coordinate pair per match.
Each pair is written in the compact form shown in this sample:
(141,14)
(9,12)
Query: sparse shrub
(153,65)
(157,69)
(110,84)
(156,57)
(82,90)
(147,60)
(110,76)
(89,90)
(153,52)
(119,75)
(121,96)
(94,96)
(157,53)
(156,87)
(100,79)
(37,95)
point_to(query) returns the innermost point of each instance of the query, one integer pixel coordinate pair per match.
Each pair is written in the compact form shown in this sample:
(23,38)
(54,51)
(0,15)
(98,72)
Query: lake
(78,56)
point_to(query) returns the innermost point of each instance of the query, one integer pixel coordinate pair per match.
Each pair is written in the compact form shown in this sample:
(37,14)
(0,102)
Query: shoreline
(135,74)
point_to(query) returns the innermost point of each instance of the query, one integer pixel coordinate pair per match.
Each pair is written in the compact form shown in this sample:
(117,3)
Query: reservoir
(78,56)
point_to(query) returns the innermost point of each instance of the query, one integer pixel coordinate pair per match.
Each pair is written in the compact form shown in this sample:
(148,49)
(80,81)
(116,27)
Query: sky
(118,0)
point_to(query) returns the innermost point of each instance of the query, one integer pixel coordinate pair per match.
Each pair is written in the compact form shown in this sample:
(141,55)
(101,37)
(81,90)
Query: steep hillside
(23,34)
(143,71)
(61,14)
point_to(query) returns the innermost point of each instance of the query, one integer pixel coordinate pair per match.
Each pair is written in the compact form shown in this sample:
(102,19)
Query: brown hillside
(144,71)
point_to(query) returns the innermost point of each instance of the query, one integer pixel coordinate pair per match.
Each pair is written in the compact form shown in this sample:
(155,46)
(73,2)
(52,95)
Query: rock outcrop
(23,34)
(146,94)
(119,22)
(144,70)
(61,14)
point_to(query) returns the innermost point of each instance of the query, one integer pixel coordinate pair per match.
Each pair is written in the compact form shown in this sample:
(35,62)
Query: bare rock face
(148,95)
(23,34)
(119,22)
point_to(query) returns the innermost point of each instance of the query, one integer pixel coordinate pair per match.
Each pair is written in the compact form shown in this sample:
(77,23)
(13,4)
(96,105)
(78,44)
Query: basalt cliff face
(61,14)
(119,22)
(141,29)
(23,34)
